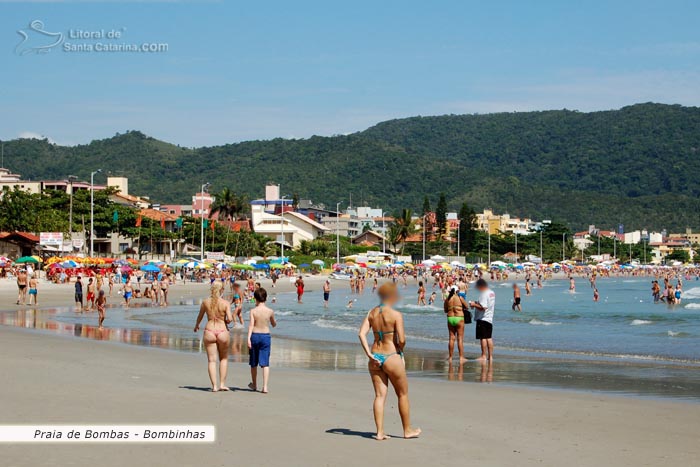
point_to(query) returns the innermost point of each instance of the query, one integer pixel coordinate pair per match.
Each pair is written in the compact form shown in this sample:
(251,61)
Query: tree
(406,226)
(426,206)
(228,205)
(441,216)
(467,229)
(394,235)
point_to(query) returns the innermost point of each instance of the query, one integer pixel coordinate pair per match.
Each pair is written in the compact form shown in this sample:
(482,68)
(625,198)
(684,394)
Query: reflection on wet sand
(630,379)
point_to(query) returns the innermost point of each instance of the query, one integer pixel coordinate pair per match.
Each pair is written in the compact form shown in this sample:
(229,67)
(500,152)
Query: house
(284,226)
(16,244)
(368,238)
(511,257)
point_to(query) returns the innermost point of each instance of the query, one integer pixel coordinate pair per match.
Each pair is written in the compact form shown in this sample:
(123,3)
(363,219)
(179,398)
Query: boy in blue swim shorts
(261,318)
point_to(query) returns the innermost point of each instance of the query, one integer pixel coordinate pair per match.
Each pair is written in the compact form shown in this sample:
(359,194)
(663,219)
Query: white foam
(412,306)
(324,323)
(537,322)
(639,322)
(691,294)
(692,306)
(673,334)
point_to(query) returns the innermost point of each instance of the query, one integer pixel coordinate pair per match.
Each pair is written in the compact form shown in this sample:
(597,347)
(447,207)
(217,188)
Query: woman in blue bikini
(386,359)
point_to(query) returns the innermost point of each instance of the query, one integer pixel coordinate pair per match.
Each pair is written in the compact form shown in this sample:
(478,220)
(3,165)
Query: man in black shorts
(484,318)
(79,293)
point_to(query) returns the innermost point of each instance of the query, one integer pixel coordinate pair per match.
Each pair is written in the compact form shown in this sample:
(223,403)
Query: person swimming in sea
(386,362)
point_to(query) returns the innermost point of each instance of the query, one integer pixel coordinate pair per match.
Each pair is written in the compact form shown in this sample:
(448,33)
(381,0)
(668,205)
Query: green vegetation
(636,165)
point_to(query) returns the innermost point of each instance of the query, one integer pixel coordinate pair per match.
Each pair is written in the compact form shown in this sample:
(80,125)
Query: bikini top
(381,334)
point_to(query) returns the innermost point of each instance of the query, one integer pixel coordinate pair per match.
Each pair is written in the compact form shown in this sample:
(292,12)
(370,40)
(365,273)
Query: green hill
(638,165)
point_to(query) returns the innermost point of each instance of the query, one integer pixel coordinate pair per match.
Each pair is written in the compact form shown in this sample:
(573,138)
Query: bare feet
(481,359)
(381,437)
(252,387)
(214,390)
(412,433)
(223,388)
(463,360)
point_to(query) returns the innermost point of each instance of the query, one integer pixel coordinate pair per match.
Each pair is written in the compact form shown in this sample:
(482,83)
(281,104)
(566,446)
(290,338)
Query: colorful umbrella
(26,260)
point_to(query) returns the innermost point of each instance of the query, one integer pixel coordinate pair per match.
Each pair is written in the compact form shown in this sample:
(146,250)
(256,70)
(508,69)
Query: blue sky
(236,71)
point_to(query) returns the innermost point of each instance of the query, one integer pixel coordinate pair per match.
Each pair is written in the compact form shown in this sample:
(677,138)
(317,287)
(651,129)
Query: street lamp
(71,178)
(282,228)
(424,216)
(337,233)
(205,186)
(92,211)
(383,231)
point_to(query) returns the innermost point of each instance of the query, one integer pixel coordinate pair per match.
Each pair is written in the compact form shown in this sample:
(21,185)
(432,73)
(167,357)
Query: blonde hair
(215,291)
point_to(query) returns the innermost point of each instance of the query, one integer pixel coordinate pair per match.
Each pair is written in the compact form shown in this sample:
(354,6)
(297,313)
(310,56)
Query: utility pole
(337,233)
(563,246)
(205,186)
(92,211)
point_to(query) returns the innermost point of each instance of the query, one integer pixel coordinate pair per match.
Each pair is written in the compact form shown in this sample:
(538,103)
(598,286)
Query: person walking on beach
(101,304)
(22,287)
(33,290)
(259,340)
(216,335)
(326,293)
(386,359)
(516,298)
(79,293)
(454,309)
(300,288)
(484,319)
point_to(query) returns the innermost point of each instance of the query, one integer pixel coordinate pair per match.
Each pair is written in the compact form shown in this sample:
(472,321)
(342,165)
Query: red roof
(157,215)
(29,237)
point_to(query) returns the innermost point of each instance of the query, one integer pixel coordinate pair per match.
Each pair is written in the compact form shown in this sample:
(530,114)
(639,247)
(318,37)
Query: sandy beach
(313,417)
(317,418)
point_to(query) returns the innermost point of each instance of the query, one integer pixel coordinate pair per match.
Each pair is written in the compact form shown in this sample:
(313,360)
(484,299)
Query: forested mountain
(638,165)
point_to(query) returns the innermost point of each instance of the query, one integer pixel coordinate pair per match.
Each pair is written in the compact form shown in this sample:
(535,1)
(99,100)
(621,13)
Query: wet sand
(317,418)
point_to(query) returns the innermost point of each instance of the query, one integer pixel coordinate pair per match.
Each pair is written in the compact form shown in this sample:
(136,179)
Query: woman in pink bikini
(216,336)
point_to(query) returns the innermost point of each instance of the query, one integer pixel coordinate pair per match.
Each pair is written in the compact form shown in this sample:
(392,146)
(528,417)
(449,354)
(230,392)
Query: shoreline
(647,378)
(320,418)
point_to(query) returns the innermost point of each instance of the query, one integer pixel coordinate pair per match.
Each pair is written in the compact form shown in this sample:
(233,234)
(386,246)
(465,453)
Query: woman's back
(382,320)
(453,306)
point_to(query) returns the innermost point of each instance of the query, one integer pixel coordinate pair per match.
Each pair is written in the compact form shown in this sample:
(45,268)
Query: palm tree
(228,206)
(406,226)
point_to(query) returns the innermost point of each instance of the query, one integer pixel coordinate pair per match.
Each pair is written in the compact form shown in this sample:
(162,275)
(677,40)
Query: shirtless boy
(261,318)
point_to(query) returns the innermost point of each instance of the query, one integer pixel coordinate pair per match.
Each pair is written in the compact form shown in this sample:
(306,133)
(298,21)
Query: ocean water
(625,343)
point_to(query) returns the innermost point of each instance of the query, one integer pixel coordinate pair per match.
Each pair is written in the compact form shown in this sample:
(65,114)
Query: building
(201,205)
(178,210)
(346,225)
(494,224)
(368,238)
(16,244)
(275,218)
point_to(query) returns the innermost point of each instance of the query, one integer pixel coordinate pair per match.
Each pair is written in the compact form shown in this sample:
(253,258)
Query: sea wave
(537,322)
(677,334)
(692,306)
(412,306)
(327,324)
(691,294)
(639,322)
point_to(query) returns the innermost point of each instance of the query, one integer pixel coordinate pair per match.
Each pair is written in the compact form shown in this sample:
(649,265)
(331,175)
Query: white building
(274,218)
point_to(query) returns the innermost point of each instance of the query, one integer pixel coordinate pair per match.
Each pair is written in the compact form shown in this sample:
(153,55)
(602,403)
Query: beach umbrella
(438,258)
(150,268)
(305,265)
(221,266)
(428,263)
(69,264)
(261,266)
(192,264)
(27,260)
(126,268)
(362,265)
(318,262)
(120,262)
